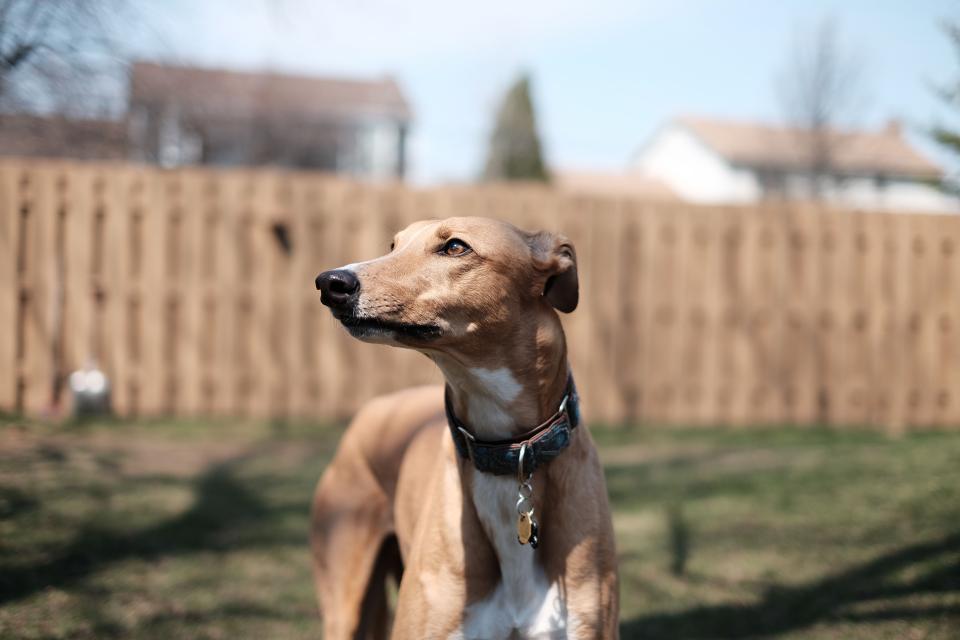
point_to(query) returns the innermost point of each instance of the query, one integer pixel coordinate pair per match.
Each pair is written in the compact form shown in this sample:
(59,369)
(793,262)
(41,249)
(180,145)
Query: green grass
(199,530)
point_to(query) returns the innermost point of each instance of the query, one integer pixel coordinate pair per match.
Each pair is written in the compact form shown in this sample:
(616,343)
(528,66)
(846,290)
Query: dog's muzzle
(338,288)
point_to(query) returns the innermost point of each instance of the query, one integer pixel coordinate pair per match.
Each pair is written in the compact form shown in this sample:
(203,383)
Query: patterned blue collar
(544,442)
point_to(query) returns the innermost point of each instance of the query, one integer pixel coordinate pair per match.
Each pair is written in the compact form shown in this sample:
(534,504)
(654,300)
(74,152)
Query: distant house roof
(854,152)
(59,137)
(234,94)
(614,184)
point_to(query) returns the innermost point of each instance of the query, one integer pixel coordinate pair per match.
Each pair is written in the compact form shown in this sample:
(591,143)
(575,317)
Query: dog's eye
(455,247)
(392,244)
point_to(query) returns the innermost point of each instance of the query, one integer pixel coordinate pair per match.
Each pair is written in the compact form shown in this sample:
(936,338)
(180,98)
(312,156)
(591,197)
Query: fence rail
(193,290)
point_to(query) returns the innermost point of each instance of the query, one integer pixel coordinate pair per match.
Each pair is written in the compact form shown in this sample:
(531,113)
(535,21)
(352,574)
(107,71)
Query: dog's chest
(524,604)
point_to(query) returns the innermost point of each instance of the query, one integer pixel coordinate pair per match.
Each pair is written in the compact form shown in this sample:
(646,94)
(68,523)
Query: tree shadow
(222,506)
(14,502)
(170,624)
(678,536)
(783,609)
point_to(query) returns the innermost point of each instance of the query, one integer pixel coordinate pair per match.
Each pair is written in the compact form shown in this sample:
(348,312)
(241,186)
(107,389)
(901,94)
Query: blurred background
(764,202)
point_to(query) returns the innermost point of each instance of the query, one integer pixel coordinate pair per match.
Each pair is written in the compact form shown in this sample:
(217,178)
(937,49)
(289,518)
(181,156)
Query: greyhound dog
(486,494)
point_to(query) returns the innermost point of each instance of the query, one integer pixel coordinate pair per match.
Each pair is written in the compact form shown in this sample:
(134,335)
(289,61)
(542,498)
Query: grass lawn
(199,530)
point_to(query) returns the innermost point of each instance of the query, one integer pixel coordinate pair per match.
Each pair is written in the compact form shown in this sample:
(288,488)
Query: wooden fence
(180,285)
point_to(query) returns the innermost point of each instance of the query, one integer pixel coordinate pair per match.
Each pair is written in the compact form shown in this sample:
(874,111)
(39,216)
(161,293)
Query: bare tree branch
(819,88)
(60,55)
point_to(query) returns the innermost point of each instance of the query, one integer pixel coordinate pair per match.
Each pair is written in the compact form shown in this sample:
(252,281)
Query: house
(723,161)
(187,115)
(60,137)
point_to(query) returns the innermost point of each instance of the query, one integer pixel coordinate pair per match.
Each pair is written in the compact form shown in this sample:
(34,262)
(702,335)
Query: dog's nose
(338,287)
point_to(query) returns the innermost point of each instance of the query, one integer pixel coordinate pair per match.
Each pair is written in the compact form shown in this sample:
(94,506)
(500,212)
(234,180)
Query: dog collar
(543,443)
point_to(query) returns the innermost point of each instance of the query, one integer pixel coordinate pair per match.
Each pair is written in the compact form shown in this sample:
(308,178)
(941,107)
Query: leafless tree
(820,88)
(59,56)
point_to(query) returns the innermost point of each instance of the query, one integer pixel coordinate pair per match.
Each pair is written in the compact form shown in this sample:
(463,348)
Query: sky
(605,73)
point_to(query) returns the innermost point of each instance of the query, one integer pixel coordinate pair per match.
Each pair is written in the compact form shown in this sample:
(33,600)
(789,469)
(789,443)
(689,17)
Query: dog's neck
(521,384)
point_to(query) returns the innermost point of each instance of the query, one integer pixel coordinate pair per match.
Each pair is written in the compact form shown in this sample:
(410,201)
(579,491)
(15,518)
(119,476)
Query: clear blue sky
(605,73)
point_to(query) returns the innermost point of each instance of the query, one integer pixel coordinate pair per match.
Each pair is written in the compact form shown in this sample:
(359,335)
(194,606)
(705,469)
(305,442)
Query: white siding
(697,173)
(693,170)
(373,152)
(384,142)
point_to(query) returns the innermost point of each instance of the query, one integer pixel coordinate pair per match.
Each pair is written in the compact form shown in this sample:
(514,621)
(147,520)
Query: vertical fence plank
(187,211)
(152,293)
(39,200)
(757,321)
(686,318)
(846,284)
(298,292)
(113,282)
(213,349)
(948,324)
(226,207)
(858,324)
(10,220)
(135,241)
(828,346)
(944,350)
(925,290)
(898,250)
(603,278)
(263,367)
(660,315)
(707,317)
(589,320)
(334,362)
(280,316)
(577,326)
(868,320)
(735,347)
(883,320)
(799,295)
(629,346)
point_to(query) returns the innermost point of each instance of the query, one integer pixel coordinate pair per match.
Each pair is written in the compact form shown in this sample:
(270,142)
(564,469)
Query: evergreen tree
(514,152)
(950,94)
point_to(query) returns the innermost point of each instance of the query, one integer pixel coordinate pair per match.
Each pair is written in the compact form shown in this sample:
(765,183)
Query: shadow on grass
(222,506)
(172,624)
(784,609)
(13,502)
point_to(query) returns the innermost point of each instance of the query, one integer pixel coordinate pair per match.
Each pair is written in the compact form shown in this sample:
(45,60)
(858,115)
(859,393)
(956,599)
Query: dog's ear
(555,259)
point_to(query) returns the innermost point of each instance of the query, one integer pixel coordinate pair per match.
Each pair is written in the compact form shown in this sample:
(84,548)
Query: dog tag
(524,527)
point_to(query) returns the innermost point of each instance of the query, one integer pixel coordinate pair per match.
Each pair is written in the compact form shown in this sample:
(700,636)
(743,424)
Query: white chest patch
(524,603)
(499,383)
(488,410)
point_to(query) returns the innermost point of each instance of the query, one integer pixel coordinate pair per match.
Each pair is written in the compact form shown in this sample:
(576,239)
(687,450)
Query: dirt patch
(134,454)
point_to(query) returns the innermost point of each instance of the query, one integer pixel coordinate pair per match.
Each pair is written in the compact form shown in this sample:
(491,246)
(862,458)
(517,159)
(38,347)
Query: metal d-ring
(520,476)
(524,488)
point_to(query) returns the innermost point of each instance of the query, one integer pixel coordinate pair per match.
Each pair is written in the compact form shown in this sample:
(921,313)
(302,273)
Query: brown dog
(435,495)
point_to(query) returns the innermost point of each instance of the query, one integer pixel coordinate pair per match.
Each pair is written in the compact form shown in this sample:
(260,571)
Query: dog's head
(452,283)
